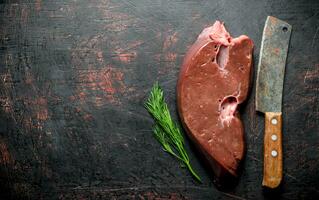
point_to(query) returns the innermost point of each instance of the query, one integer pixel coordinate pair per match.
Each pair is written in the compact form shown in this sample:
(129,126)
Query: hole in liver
(241,67)
(228,106)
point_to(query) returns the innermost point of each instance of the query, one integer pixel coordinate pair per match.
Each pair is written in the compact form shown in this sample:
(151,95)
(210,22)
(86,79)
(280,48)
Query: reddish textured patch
(117,21)
(276,51)
(127,57)
(72,98)
(38,5)
(42,115)
(312,74)
(88,117)
(6,77)
(273,20)
(80,96)
(4,153)
(39,113)
(311,79)
(36,107)
(24,15)
(150,195)
(99,101)
(103,83)
(170,41)
(128,53)
(175,196)
(170,56)
(28,78)
(99,56)
(78,110)
(268,32)
(6,104)
(41,109)
(128,48)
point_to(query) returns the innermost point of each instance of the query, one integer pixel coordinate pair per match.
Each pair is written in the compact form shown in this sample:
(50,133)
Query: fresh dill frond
(165,130)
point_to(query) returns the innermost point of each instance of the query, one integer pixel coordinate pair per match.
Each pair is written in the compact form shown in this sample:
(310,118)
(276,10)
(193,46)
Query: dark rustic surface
(73,78)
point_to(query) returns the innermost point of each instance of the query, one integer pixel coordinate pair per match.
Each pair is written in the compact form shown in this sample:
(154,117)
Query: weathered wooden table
(74,75)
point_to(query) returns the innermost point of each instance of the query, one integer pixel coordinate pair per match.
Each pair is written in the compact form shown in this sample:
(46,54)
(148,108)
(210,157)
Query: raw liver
(214,79)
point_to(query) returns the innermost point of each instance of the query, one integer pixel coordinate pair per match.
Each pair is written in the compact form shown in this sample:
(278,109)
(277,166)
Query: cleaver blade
(269,89)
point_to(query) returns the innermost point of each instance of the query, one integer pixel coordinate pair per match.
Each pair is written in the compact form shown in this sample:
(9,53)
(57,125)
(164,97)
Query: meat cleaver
(269,89)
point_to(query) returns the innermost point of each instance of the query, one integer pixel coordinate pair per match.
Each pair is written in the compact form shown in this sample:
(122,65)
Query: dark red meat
(214,80)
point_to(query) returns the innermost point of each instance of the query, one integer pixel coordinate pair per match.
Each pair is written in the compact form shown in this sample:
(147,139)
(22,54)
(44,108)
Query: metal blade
(271,66)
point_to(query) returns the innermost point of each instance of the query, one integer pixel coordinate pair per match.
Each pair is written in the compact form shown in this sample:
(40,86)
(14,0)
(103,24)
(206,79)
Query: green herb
(165,130)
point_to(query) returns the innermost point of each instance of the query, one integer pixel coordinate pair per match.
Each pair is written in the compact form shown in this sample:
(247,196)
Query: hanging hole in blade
(284,29)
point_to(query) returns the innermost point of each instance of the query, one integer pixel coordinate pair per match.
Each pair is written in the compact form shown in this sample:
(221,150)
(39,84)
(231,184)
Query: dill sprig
(165,130)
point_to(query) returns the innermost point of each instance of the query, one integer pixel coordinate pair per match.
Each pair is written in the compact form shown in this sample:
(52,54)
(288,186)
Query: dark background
(74,75)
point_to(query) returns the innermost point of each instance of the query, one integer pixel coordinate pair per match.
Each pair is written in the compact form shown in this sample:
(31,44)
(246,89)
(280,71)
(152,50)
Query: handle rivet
(274,153)
(273,137)
(274,121)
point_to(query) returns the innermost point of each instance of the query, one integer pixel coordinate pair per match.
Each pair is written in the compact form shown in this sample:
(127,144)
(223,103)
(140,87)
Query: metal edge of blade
(257,99)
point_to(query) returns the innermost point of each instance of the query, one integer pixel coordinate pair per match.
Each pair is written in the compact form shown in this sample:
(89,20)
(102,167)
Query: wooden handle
(272,150)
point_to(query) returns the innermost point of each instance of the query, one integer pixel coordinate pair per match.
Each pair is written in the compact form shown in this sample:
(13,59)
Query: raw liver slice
(215,77)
